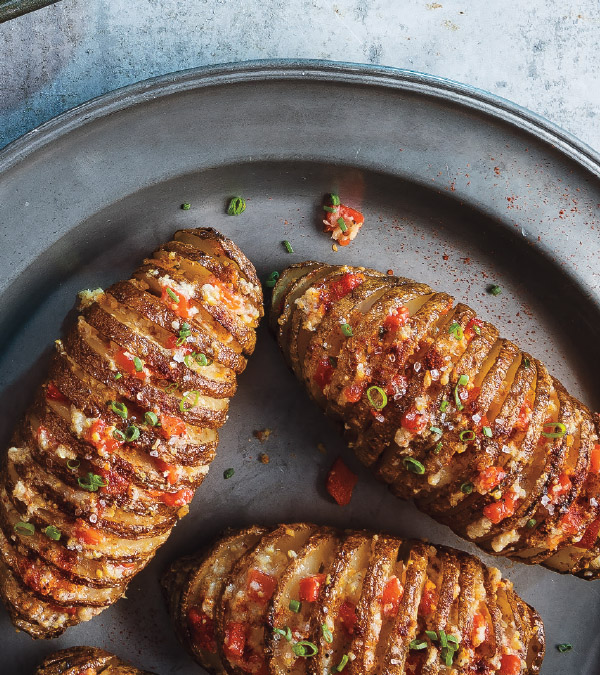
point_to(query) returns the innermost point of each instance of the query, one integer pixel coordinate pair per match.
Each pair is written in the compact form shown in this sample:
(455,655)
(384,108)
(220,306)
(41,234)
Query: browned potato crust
(447,412)
(298,599)
(86,661)
(123,430)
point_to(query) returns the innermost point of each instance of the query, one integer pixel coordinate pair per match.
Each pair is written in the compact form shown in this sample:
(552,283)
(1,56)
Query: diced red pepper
(413,420)
(560,488)
(595,459)
(181,306)
(202,628)
(126,363)
(591,535)
(510,665)
(340,288)
(469,331)
(524,417)
(428,597)
(310,587)
(100,436)
(88,535)
(354,392)
(180,498)
(349,215)
(392,596)
(571,521)
(396,319)
(235,640)
(261,586)
(479,630)
(489,478)
(472,395)
(323,374)
(54,394)
(171,426)
(115,483)
(347,615)
(171,471)
(501,509)
(341,482)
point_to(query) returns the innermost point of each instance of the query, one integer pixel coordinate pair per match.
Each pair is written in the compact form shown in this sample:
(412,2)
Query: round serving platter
(460,189)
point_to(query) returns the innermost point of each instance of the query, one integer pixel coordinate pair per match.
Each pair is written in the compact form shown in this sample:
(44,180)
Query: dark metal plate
(459,189)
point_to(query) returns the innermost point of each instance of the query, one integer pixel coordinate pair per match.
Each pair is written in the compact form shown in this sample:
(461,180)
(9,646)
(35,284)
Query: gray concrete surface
(540,54)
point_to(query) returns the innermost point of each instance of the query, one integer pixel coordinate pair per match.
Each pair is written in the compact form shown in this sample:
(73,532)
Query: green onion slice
(119,409)
(436,430)
(413,465)
(417,644)
(287,633)
(377,397)
(288,246)
(495,289)
(190,400)
(467,435)
(444,406)
(342,224)
(431,634)
(559,426)
(132,433)
(228,473)
(531,523)
(334,199)
(118,435)
(438,448)
(118,376)
(24,529)
(456,330)
(443,638)
(329,209)
(186,206)
(236,206)
(462,380)
(476,329)
(170,388)
(171,293)
(271,280)
(139,366)
(151,418)
(73,464)
(466,488)
(305,649)
(327,636)
(342,664)
(564,647)
(347,329)
(487,432)
(295,606)
(526,362)
(91,482)
(52,533)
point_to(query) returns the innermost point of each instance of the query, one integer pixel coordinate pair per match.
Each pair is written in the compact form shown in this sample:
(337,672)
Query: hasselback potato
(447,412)
(301,598)
(86,661)
(123,430)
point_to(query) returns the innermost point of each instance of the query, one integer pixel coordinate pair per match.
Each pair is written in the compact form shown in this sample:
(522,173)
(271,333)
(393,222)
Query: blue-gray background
(542,55)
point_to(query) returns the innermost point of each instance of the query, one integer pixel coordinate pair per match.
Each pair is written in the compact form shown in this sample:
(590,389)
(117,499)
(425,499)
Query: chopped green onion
(436,430)
(119,409)
(271,280)
(467,435)
(438,448)
(118,376)
(288,246)
(443,638)
(413,465)
(329,209)
(380,401)
(347,329)
(132,433)
(564,647)
(417,644)
(562,430)
(151,418)
(236,206)
(24,529)
(191,403)
(295,606)
(531,523)
(431,634)
(305,649)
(73,464)
(287,633)
(487,432)
(444,406)
(456,330)
(186,206)
(342,224)
(462,380)
(448,654)
(466,488)
(228,473)
(476,329)
(495,289)
(52,533)
(202,359)
(170,388)
(342,664)
(327,636)
(91,482)
(171,293)
(184,333)
(526,362)
(452,639)
(139,366)
(335,200)
(118,434)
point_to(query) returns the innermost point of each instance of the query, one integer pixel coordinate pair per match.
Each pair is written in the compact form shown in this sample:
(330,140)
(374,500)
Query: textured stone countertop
(542,55)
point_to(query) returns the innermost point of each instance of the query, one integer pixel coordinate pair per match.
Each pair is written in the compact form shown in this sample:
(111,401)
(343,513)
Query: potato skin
(86,661)
(123,430)
(475,430)
(253,586)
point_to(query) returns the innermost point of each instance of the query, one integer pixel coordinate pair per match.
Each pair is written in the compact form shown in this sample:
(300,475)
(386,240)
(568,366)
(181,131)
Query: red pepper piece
(341,482)
(53,393)
(261,586)
(180,498)
(235,640)
(202,628)
(392,596)
(414,421)
(310,587)
(510,665)
(323,374)
(347,615)
(501,509)
(181,306)
(591,535)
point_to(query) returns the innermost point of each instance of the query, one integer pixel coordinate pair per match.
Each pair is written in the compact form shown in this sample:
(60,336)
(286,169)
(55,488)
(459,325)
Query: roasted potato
(301,598)
(447,412)
(123,430)
(86,661)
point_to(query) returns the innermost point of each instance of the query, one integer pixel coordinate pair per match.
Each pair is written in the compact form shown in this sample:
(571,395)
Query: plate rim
(389,77)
